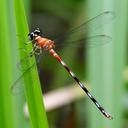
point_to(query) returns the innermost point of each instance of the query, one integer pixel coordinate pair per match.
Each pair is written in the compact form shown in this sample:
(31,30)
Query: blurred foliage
(59,8)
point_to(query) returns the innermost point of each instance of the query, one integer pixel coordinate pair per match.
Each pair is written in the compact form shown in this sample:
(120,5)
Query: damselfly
(77,34)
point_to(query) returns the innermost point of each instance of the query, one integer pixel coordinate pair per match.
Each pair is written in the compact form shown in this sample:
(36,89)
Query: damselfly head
(34,34)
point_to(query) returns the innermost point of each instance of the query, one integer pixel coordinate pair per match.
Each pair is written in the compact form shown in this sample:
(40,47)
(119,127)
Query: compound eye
(37,32)
(31,36)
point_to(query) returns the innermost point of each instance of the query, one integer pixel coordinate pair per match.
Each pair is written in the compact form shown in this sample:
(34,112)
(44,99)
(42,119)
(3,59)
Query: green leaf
(31,80)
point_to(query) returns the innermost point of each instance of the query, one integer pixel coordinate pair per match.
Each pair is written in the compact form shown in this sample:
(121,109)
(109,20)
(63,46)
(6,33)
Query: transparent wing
(92,41)
(17,86)
(79,33)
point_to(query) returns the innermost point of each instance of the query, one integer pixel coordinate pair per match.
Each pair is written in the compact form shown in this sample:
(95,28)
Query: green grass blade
(106,64)
(6,106)
(31,81)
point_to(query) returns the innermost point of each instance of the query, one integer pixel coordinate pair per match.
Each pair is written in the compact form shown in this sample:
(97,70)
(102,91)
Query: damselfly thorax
(44,43)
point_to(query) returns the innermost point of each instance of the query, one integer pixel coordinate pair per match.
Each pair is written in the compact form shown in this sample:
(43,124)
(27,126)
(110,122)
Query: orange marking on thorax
(44,42)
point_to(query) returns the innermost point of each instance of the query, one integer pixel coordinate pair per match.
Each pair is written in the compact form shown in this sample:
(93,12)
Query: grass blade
(31,80)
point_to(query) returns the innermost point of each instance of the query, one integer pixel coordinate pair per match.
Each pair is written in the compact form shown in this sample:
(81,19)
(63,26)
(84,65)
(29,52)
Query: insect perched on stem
(41,43)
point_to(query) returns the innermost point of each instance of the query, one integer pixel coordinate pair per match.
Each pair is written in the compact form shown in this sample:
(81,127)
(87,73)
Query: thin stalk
(31,81)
